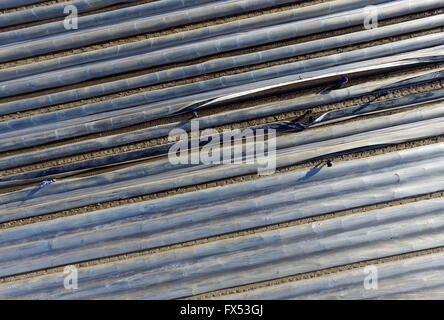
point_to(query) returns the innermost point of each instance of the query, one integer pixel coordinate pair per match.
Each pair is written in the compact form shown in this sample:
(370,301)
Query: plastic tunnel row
(158,208)
(132,27)
(7,4)
(330,249)
(182,37)
(56,10)
(417,274)
(271,254)
(213,46)
(311,136)
(207,173)
(350,176)
(204,198)
(430,112)
(292,140)
(185,90)
(154,228)
(148,11)
(127,117)
(101,143)
(102,69)
(42,46)
(39,138)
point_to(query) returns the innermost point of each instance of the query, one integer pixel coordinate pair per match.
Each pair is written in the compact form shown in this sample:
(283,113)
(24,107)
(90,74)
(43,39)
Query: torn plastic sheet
(427,112)
(203,173)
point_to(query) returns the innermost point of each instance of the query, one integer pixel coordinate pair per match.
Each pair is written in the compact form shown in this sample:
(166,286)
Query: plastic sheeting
(252,258)
(262,256)
(6,4)
(200,90)
(291,202)
(413,278)
(61,151)
(214,196)
(206,173)
(187,36)
(56,10)
(61,118)
(314,135)
(131,27)
(191,51)
(39,138)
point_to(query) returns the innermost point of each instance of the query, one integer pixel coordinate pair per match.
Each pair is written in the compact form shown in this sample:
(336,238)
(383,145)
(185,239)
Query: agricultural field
(225,149)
